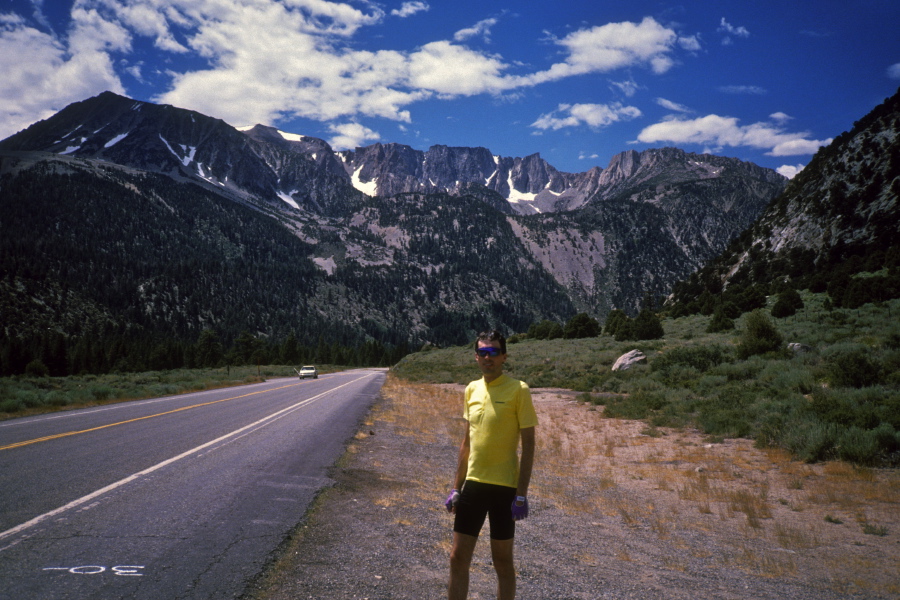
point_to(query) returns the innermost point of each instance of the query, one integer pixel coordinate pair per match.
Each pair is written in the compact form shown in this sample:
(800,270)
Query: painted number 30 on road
(121,570)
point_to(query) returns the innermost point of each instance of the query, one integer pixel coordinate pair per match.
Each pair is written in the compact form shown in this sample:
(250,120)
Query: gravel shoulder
(617,512)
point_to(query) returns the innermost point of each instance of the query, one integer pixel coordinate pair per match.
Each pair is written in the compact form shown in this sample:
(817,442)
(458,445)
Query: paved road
(177,497)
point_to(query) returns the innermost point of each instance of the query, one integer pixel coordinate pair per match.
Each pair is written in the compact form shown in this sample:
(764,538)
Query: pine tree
(581,325)
(647,326)
(209,351)
(614,319)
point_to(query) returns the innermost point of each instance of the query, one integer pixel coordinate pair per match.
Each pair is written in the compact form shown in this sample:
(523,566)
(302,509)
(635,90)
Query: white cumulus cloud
(729,31)
(690,43)
(480,29)
(348,136)
(265,61)
(790,171)
(780,117)
(455,70)
(673,106)
(613,46)
(408,9)
(894,71)
(629,87)
(592,115)
(719,132)
(54,75)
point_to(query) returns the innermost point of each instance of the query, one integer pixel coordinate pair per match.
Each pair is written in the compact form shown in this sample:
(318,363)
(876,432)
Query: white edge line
(84,499)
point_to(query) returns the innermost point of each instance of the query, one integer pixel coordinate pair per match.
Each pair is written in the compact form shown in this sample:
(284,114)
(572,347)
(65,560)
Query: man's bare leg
(460,562)
(502,556)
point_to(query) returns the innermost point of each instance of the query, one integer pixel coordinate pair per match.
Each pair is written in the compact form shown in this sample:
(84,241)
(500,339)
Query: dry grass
(766,511)
(763,508)
(668,506)
(778,505)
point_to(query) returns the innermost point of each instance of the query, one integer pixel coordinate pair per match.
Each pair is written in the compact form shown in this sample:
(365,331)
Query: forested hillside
(107,268)
(129,269)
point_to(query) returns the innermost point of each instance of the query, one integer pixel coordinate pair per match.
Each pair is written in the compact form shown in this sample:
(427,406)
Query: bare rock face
(628,360)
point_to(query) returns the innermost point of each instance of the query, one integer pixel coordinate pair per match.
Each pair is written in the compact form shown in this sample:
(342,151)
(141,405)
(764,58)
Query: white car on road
(308,371)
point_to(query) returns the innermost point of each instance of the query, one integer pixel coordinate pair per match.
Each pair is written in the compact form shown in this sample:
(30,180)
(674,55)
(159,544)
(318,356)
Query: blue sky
(575,80)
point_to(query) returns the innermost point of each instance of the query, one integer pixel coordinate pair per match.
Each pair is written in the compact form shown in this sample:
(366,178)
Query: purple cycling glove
(520,508)
(452,500)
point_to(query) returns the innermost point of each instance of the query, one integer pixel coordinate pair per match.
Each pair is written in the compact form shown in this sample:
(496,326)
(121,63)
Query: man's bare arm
(526,462)
(462,466)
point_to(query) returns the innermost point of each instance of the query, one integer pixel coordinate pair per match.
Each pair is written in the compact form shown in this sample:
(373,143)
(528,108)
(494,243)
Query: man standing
(492,479)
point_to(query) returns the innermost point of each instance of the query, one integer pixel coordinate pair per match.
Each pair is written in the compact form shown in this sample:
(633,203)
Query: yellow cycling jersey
(496,412)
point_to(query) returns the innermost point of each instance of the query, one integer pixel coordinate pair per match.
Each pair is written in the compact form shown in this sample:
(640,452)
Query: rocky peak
(533,174)
(621,166)
(447,167)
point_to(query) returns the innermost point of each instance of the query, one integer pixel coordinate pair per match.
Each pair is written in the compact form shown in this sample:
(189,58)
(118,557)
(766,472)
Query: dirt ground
(618,510)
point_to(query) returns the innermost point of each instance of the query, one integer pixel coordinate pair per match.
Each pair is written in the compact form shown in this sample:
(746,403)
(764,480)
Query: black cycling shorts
(480,500)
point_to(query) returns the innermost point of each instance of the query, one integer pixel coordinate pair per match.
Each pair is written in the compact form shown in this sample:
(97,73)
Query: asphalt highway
(177,497)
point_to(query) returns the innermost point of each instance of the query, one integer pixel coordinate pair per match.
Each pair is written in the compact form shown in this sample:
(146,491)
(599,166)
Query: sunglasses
(485,352)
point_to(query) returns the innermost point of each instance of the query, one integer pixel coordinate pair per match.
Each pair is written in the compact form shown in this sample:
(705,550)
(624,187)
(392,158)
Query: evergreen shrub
(771,428)
(759,336)
(702,358)
(852,366)
(740,371)
(637,405)
(811,440)
(832,406)
(858,445)
(613,320)
(545,330)
(787,377)
(680,376)
(57,399)
(788,303)
(708,383)
(729,412)
(648,326)
(11,405)
(102,392)
(720,322)
(37,368)
(581,325)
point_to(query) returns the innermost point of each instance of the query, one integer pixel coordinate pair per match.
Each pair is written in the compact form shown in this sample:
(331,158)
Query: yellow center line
(168,412)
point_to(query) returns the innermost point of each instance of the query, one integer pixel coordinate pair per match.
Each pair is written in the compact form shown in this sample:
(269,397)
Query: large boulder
(628,360)
(798,348)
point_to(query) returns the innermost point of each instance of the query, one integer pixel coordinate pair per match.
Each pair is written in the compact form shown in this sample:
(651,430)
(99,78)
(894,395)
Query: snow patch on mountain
(292,137)
(115,140)
(517,197)
(366,187)
(287,198)
(71,149)
(189,152)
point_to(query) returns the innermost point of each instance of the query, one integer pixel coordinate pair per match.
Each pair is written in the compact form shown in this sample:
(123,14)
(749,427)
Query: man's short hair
(493,336)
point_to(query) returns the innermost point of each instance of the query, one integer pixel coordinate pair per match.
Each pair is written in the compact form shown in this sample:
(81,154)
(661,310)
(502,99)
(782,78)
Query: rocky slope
(839,216)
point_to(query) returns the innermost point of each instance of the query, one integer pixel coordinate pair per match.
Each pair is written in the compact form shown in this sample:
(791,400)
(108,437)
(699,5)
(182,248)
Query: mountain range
(126,218)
